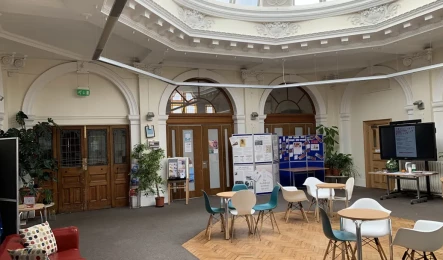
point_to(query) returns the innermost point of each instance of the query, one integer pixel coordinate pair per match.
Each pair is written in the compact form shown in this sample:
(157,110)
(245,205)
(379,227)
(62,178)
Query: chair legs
(378,246)
(261,215)
(344,249)
(210,224)
(414,255)
(298,206)
(249,220)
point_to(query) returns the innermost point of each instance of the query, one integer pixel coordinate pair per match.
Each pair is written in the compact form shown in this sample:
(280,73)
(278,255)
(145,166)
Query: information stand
(255,158)
(178,171)
(299,157)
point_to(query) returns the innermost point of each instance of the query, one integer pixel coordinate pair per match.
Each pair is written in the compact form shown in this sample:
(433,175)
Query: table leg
(428,188)
(317,207)
(331,211)
(418,187)
(46,214)
(359,242)
(391,252)
(226,219)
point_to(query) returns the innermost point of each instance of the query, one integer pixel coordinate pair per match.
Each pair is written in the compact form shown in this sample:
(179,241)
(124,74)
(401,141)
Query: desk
(226,196)
(415,176)
(360,215)
(330,186)
(302,170)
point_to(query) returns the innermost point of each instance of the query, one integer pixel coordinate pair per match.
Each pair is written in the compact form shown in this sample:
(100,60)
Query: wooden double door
(208,148)
(94,165)
(290,124)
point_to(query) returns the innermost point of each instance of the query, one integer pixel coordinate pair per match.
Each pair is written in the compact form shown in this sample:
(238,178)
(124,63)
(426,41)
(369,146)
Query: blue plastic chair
(237,187)
(262,208)
(337,238)
(213,211)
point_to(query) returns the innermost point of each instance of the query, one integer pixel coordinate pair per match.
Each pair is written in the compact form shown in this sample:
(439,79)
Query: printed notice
(188,147)
(242,148)
(405,141)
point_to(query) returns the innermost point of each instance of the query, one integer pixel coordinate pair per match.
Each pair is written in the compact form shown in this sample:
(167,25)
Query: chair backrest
(426,236)
(207,203)
(367,203)
(239,187)
(350,187)
(311,183)
(293,195)
(326,224)
(244,201)
(274,196)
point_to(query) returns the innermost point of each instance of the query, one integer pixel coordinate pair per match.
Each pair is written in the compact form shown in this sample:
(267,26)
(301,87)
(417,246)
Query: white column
(162,138)
(134,128)
(437,109)
(345,134)
(29,123)
(2,103)
(239,124)
(261,123)
(321,119)
(410,111)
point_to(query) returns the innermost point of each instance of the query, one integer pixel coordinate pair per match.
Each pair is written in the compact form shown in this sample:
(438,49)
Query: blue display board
(300,152)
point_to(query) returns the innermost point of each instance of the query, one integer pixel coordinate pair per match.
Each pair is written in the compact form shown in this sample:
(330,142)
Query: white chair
(293,195)
(370,230)
(349,189)
(323,194)
(243,201)
(425,238)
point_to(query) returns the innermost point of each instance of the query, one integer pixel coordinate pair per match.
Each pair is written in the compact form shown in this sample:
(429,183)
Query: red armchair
(67,245)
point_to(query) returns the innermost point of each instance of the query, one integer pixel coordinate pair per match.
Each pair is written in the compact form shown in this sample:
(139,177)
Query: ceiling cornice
(197,33)
(280,14)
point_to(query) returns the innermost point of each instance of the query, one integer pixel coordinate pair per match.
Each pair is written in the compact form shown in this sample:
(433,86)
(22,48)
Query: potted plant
(345,165)
(47,196)
(149,164)
(329,139)
(35,167)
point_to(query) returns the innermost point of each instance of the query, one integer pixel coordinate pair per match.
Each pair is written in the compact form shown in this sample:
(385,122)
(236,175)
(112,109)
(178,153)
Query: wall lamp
(254,115)
(1,98)
(150,116)
(420,105)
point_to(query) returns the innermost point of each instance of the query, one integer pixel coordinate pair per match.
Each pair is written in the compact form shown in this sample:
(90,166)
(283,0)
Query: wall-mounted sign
(83,92)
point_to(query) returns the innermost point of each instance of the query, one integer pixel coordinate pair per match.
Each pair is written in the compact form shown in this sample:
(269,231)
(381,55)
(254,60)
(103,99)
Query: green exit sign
(83,92)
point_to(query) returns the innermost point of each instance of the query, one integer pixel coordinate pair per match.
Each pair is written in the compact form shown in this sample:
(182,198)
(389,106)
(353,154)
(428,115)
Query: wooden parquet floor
(298,240)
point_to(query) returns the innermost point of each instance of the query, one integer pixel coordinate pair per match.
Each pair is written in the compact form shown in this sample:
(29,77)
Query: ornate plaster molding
(375,15)
(252,75)
(12,63)
(276,2)
(153,68)
(195,19)
(277,29)
(422,55)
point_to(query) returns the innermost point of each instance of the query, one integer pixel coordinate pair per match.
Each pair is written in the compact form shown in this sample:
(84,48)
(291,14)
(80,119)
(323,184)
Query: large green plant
(149,163)
(33,159)
(329,139)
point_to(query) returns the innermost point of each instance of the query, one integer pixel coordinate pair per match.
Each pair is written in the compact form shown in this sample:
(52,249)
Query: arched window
(198,100)
(289,101)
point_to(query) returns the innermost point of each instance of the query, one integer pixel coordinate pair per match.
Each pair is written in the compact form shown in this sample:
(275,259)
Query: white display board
(255,158)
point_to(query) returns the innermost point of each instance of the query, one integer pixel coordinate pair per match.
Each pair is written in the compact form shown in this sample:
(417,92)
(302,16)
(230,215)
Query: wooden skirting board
(298,240)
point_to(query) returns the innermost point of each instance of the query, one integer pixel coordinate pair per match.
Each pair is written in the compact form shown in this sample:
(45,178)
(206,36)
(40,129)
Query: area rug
(298,240)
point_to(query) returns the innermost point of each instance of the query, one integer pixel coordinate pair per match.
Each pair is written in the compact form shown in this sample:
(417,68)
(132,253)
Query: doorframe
(366,128)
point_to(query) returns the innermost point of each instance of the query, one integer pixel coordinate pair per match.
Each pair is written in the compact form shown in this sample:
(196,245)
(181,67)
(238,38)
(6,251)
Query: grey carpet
(158,233)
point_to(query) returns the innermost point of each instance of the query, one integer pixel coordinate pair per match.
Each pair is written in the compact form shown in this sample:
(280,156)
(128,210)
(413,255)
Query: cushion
(28,254)
(40,237)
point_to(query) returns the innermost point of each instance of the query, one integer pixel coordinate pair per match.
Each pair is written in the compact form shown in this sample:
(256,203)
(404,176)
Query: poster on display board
(242,148)
(275,147)
(178,168)
(243,175)
(263,148)
(264,178)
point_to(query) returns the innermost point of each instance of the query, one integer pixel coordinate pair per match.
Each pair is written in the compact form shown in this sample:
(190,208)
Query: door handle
(85,164)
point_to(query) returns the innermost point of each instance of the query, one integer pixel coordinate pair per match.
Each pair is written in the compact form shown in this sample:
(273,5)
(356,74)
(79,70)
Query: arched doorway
(199,126)
(289,111)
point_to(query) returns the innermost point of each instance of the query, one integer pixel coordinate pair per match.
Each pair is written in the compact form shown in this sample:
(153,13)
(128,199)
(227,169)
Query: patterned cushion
(28,254)
(40,237)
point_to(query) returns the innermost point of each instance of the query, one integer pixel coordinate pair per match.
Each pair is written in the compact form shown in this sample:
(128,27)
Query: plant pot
(335,172)
(25,192)
(159,202)
(328,172)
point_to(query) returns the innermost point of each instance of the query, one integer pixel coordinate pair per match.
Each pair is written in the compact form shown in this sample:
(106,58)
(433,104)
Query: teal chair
(262,208)
(237,187)
(337,239)
(213,211)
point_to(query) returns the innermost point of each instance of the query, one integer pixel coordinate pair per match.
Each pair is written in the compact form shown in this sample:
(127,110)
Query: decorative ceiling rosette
(195,19)
(375,15)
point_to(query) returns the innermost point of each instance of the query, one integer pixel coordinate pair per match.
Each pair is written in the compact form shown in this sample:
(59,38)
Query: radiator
(436,186)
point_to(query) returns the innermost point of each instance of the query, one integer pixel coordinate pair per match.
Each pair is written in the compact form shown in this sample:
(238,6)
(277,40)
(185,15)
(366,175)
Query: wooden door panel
(99,175)
(71,177)
(120,160)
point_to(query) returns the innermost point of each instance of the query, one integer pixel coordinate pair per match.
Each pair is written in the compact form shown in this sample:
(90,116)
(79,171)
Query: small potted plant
(149,164)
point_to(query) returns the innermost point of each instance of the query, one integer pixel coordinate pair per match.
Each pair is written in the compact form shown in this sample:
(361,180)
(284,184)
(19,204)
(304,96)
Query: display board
(9,182)
(298,152)
(178,168)
(255,158)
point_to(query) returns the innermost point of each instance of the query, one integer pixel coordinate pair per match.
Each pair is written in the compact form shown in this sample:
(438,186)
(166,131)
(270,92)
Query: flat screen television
(408,142)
